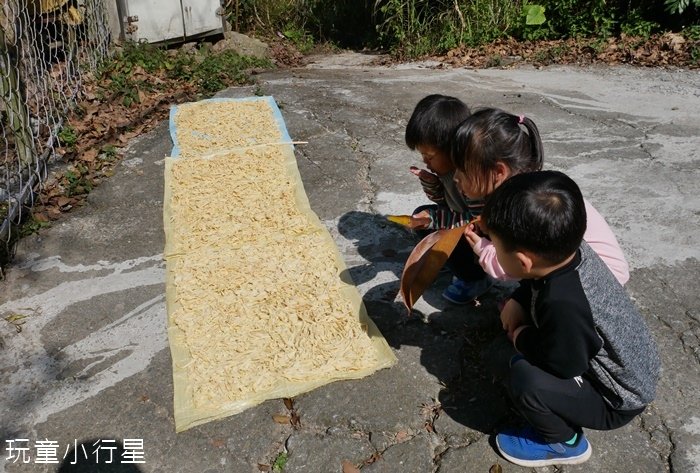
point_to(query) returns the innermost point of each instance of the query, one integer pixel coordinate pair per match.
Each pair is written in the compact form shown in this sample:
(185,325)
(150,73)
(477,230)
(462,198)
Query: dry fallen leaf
(348,467)
(63,201)
(295,420)
(90,155)
(282,419)
(496,468)
(40,216)
(425,261)
(401,436)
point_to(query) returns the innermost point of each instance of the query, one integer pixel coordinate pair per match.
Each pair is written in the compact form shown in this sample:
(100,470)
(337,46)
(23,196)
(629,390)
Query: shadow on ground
(462,346)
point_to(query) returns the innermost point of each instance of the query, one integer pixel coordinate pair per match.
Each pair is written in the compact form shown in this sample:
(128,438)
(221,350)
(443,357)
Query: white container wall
(201,16)
(162,20)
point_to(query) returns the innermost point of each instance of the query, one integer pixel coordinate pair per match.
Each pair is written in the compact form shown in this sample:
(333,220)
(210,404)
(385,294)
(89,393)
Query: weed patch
(126,97)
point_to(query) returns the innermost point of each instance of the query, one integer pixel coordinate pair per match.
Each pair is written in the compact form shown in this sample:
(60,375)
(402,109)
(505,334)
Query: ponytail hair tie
(521,119)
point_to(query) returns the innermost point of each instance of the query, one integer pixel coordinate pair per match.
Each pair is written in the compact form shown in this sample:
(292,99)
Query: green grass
(67,136)
(130,73)
(279,463)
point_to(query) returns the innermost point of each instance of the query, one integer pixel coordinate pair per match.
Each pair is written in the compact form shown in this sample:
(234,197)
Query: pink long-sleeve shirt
(598,235)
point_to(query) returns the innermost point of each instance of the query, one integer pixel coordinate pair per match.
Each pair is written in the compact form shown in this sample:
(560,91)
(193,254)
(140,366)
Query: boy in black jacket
(585,356)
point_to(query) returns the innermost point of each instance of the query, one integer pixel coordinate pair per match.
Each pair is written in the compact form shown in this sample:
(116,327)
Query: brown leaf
(81,127)
(63,201)
(53,213)
(40,217)
(288,403)
(218,443)
(263,467)
(54,191)
(122,121)
(401,436)
(425,261)
(295,420)
(496,468)
(89,155)
(675,40)
(349,467)
(282,419)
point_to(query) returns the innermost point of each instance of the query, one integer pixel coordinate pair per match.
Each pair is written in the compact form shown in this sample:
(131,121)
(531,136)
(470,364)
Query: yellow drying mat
(256,307)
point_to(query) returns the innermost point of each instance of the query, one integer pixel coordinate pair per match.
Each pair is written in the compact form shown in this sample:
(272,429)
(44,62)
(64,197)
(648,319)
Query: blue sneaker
(462,292)
(526,447)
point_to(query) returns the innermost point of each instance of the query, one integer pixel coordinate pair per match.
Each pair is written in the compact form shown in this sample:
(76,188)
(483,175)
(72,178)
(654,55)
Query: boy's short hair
(542,212)
(434,121)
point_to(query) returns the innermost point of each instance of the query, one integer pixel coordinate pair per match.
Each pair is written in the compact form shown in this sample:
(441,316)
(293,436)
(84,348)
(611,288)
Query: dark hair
(490,136)
(542,212)
(434,120)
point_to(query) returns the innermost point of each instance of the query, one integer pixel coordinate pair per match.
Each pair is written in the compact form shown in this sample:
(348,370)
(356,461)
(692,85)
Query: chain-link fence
(46,48)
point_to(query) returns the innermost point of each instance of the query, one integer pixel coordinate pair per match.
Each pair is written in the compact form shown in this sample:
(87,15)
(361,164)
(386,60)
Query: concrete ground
(90,369)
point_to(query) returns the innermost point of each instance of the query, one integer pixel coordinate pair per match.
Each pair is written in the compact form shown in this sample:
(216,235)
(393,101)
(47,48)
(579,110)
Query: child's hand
(471,236)
(512,317)
(424,175)
(420,221)
(431,184)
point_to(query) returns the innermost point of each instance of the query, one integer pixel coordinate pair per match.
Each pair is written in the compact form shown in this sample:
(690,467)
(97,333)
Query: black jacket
(584,324)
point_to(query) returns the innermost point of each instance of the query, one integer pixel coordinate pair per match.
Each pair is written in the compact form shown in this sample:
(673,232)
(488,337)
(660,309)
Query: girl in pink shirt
(492,145)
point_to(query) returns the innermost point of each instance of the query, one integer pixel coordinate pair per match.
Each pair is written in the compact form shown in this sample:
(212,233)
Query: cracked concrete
(92,361)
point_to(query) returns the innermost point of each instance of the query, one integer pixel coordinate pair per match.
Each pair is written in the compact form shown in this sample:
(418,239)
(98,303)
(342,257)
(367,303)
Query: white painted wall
(163,20)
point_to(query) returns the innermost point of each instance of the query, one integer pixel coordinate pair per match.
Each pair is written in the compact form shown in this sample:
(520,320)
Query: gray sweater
(585,324)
